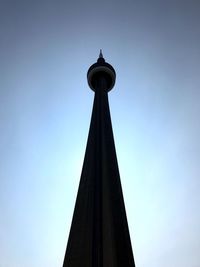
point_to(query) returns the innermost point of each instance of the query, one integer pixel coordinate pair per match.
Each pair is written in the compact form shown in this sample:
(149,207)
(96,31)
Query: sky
(46,48)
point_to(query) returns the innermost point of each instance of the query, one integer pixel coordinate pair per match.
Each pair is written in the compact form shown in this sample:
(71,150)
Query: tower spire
(99,235)
(101,58)
(100,54)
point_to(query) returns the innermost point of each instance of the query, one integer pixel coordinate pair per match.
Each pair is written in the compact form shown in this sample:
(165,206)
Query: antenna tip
(100,54)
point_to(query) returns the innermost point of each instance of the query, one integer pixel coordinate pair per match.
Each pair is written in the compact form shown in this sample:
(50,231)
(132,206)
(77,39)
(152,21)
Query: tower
(99,235)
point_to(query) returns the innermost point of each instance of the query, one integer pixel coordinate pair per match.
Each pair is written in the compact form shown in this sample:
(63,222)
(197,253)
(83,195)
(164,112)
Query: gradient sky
(46,48)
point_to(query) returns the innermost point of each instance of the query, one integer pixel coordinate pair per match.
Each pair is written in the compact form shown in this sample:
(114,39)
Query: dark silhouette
(99,235)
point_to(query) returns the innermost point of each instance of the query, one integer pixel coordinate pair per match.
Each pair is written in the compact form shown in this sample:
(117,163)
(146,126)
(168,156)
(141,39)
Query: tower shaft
(99,235)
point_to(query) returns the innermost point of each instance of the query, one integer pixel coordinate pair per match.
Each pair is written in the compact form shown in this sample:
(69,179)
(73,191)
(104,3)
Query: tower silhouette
(99,235)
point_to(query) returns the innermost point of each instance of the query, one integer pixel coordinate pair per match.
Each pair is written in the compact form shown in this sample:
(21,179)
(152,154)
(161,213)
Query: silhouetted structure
(99,235)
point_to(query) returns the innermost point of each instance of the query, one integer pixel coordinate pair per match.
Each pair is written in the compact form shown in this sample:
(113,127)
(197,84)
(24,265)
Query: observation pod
(101,73)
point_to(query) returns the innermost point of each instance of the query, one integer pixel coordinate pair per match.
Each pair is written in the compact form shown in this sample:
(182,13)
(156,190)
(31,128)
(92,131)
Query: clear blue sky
(46,48)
